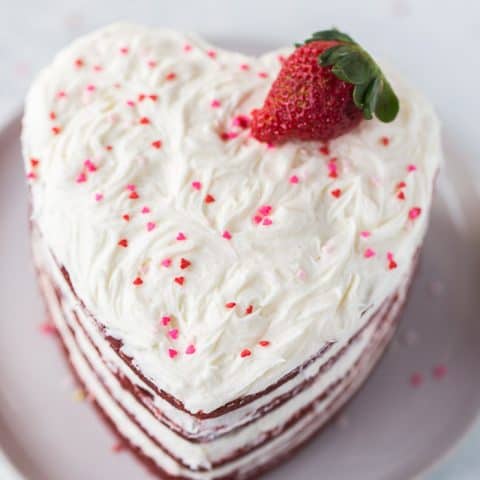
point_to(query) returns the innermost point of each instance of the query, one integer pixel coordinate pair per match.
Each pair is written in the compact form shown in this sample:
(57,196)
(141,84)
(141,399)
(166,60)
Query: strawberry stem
(373,93)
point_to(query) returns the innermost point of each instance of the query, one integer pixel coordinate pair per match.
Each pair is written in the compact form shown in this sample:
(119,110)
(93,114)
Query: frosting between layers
(309,275)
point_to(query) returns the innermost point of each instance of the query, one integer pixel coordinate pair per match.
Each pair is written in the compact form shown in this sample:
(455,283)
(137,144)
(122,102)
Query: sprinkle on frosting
(184,263)
(245,353)
(294,179)
(414,213)
(336,193)
(166,262)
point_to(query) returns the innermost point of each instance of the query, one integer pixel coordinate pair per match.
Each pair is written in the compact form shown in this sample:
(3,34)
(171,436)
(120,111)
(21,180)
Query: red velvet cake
(223,281)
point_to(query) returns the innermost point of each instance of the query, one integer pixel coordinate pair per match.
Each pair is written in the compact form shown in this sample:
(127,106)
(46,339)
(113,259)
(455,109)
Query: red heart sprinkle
(123,243)
(133,195)
(245,353)
(138,281)
(157,144)
(184,263)
(336,193)
(230,305)
(264,343)
(249,310)
(209,198)
(179,280)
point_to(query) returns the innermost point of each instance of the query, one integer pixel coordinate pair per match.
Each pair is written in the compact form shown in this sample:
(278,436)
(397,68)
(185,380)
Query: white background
(445,36)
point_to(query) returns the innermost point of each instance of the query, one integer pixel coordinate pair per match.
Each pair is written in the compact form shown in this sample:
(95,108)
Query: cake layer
(228,453)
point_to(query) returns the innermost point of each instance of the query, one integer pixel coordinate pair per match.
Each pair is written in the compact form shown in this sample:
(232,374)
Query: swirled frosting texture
(141,138)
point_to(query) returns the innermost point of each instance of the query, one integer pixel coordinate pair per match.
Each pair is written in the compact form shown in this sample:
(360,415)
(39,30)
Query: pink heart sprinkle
(90,88)
(267,221)
(91,167)
(190,350)
(187,47)
(416,379)
(411,168)
(196,185)
(145,210)
(389,256)
(173,333)
(181,236)
(265,210)
(98,197)
(226,234)
(294,179)
(130,103)
(257,219)
(302,275)
(414,213)
(48,328)
(167,262)
(166,320)
(439,371)
(81,178)
(215,103)
(150,226)
(365,234)
(369,253)
(131,187)
(172,353)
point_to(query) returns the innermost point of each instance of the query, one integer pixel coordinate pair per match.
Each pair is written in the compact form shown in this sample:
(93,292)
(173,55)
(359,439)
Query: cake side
(150,125)
(240,454)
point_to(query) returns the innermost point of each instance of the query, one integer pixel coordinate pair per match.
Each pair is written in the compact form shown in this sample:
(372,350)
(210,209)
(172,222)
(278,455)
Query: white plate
(390,430)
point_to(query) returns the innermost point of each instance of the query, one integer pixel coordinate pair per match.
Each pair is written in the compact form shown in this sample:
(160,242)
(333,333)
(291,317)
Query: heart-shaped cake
(219,297)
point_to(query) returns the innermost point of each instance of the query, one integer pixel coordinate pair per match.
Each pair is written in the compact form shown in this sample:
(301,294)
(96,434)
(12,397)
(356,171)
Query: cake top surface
(221,263)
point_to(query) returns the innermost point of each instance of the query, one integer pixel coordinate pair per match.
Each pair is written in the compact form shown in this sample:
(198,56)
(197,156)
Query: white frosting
(306,274)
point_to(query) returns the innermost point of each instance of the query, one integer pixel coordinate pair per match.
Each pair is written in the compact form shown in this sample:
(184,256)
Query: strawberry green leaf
(355,67)
(332,34)
(333,54)
(352,64)
(359,94)
(371,97)
(387,106)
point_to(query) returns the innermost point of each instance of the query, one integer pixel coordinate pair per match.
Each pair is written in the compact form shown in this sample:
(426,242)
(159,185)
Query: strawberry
(324,89)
